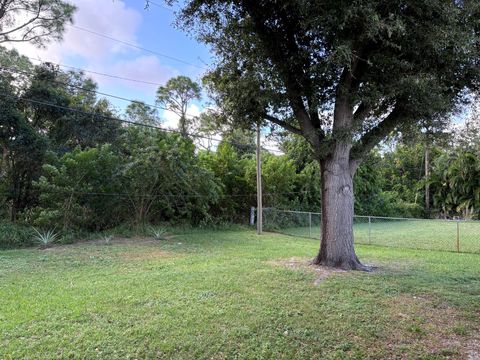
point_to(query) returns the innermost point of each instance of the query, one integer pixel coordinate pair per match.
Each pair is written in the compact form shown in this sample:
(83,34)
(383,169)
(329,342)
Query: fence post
(458,236)
(369,229)
(309,224)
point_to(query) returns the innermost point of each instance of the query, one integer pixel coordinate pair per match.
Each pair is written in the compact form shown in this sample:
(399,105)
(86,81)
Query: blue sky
(127,20)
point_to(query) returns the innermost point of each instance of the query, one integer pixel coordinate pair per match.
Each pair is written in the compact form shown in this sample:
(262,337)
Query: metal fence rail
(427,234)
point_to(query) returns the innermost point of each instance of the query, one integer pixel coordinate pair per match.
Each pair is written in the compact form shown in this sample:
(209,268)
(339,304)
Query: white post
(458,236)
(252,216)
(310,224)
(259,185)
(369,229)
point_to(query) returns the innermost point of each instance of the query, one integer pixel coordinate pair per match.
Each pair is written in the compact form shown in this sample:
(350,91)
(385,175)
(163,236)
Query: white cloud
(194,110)
(143,68)
(112,18)
(271,144)
(171,119)
(115,19)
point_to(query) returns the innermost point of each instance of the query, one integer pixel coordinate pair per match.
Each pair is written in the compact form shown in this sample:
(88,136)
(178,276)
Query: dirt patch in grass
(422,325)
(473,348)
(297,263)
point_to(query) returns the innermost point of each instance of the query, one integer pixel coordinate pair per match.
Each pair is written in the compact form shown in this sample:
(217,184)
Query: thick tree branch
(348,85)
(378,133)
(283,124)
(292,75)
(361,113)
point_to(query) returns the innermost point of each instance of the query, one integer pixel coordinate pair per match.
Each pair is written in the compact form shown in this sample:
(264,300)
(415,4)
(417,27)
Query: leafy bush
(69,188)
(14,235)
(391,204)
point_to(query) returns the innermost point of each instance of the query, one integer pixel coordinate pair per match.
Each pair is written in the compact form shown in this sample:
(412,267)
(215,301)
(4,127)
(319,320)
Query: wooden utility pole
(259,185)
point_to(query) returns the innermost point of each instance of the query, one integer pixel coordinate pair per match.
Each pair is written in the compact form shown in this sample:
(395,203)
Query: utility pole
(259,185)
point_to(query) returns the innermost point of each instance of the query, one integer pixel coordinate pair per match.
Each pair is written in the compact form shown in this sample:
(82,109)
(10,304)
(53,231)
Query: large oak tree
(342,74)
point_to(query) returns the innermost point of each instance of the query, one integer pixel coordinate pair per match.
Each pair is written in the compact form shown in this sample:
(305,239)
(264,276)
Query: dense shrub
(390,204)
(72,186)
(150,177)
(14,235)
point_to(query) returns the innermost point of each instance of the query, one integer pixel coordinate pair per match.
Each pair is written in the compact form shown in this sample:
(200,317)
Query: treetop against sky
(129,21)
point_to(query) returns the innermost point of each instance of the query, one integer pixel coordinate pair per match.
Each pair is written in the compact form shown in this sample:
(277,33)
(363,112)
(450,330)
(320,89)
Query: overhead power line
(137,47)
(96,72)
(111,118)
(16,70)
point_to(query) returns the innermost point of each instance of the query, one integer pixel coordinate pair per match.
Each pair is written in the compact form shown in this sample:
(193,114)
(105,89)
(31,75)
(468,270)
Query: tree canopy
(176,96)
(34,21)
(295,63)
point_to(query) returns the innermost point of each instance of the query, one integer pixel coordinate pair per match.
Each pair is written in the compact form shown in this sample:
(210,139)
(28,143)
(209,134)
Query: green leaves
(147,177)
(34,21)
(456,183)
(176,96)
(141,113)
(290,62)
(71,188)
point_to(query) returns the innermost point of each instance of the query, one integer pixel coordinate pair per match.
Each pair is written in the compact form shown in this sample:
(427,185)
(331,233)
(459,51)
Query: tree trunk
(336,247)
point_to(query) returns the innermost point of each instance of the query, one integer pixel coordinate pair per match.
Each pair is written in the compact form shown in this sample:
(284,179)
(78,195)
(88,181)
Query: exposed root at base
(351,264)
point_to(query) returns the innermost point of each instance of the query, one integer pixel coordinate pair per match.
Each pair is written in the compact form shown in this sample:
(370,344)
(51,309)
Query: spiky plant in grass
(45,238)
(158,233)
(107,239)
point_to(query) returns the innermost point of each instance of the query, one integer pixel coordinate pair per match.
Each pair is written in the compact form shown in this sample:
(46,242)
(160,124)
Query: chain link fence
(427,234)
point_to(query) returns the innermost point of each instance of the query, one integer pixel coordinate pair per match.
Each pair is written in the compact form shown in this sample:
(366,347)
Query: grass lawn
(232,294)
(416,234)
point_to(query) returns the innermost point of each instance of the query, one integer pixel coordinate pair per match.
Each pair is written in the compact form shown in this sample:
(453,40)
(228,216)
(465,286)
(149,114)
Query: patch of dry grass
(297,263)
(421,324)
(424,324)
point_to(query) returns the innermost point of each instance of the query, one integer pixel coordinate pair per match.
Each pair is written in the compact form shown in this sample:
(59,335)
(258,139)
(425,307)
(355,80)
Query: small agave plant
(45,238)
(158,233)
(107,239)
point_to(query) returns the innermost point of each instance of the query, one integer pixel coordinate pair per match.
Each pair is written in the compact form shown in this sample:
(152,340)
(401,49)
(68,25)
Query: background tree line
(67,163)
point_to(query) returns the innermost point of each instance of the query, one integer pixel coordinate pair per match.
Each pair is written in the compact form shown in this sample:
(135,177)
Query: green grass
(415,234)
(217,295)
